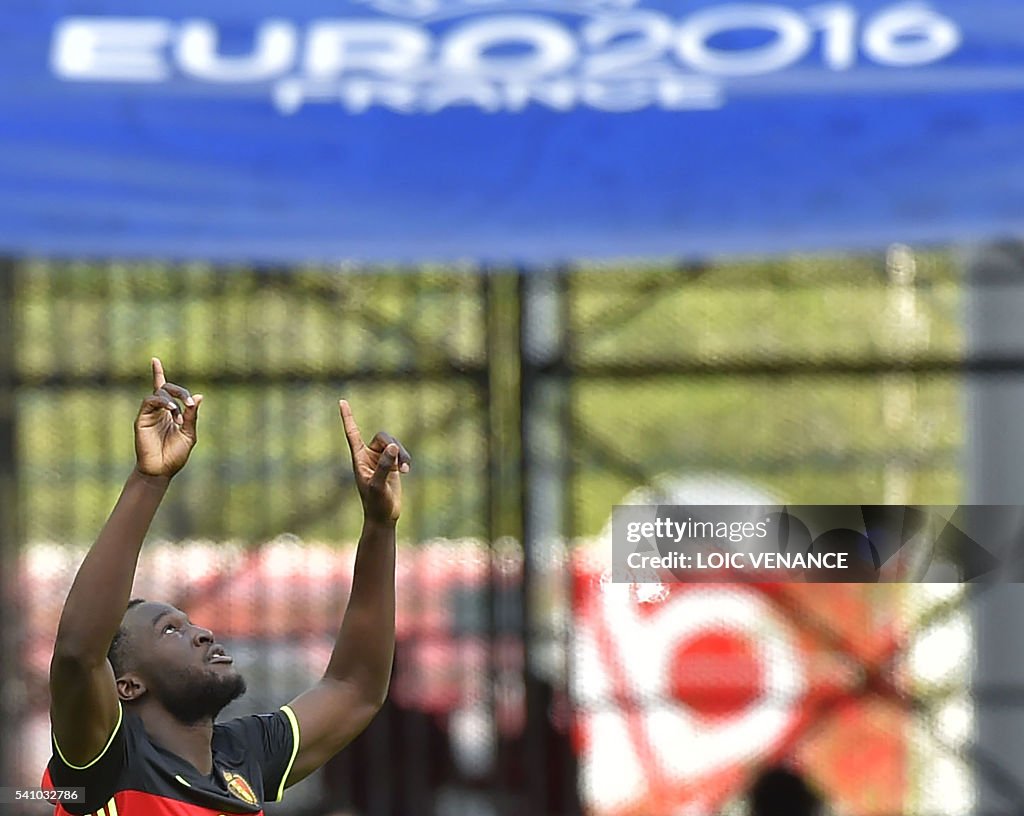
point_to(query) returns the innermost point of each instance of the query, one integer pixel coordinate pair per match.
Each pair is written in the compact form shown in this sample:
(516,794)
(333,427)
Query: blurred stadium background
(230,156)
(533,403)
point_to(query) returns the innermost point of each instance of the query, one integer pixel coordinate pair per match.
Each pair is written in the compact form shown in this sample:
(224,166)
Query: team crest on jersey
(239,787)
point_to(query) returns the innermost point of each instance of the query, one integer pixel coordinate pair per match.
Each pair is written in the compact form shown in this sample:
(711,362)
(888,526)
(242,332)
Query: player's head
(159,656)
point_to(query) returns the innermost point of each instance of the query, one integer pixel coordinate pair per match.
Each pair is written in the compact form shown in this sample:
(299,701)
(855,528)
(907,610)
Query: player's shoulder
(121,765)
(247,723)
(128,732)
(249,732)
(133,734)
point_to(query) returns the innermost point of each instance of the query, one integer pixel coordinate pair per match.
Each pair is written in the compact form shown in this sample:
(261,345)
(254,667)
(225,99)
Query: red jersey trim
(140,803)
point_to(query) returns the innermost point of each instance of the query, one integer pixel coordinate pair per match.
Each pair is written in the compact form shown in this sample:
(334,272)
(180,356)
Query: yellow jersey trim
(295,750)
(99,756)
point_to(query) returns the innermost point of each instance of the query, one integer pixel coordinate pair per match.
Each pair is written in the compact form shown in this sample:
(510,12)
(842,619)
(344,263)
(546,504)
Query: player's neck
(190,742)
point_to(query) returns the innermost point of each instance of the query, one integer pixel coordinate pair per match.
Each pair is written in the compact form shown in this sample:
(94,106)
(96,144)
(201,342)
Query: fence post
(546,450)
(995,475)
(10,528)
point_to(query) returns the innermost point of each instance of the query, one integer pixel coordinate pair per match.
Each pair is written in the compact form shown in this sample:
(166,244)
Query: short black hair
(117,654)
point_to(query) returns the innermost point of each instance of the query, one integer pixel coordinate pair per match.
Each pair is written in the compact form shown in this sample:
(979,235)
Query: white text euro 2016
(505,62)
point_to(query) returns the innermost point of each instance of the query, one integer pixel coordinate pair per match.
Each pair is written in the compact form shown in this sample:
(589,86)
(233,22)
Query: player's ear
(130,687)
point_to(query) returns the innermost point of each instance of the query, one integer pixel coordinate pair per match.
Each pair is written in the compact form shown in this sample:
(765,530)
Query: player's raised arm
(83,693)
(356,681)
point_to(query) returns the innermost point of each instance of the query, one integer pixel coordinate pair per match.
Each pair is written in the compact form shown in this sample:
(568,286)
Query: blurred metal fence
(532,402)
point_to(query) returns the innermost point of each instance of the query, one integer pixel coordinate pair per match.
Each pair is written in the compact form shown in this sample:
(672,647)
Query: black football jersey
(133,776)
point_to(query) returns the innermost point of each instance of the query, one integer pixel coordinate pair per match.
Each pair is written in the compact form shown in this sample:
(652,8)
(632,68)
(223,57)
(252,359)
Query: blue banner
(508,132)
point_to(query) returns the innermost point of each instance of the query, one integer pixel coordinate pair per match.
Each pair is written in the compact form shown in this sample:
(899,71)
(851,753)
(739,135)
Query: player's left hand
(377,467)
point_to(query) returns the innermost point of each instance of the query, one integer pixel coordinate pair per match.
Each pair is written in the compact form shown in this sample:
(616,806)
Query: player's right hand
(165,432)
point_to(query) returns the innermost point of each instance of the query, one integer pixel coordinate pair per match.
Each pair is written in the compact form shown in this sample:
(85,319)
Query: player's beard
(195,693)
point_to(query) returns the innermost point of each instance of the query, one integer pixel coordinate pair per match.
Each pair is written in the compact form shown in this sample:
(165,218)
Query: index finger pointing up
(158,374)
(355,440)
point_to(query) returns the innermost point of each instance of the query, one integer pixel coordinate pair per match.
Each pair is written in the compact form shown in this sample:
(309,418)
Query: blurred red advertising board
(683,692)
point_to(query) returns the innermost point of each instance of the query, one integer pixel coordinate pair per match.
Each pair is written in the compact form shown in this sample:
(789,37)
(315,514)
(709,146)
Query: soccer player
(136,687)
